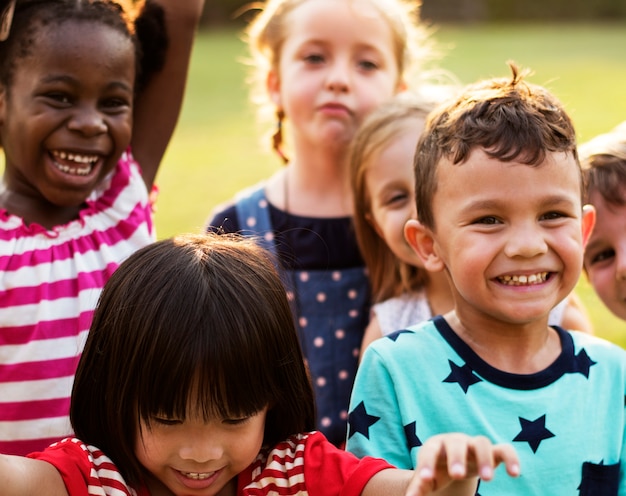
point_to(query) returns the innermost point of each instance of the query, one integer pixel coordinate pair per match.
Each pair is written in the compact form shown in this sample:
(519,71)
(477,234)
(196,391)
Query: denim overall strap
(254,217)
(330,309)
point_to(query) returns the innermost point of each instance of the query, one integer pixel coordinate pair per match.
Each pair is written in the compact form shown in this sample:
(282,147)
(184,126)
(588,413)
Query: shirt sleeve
(330,470)
(84,469)
(375,422)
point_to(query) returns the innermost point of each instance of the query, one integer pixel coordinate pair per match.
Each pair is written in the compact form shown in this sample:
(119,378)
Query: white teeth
(86,162)
(524,280)
(197,475)
(74,157)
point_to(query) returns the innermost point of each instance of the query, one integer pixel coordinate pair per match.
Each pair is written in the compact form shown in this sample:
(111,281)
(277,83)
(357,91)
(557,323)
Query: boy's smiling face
(605,255)
(510,235)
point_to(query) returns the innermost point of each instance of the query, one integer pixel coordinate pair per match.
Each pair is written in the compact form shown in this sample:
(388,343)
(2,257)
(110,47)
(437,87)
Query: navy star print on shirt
(410,432)
(360,421)
(463,375)
(533,432)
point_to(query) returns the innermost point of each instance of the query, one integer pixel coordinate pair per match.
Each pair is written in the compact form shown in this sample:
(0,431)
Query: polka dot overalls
(328,307)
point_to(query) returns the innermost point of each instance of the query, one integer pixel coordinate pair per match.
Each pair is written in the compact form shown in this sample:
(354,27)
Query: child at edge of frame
(90,94)
(603,160)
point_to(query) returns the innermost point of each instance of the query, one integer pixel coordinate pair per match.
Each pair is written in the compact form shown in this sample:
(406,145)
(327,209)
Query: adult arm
(158,105)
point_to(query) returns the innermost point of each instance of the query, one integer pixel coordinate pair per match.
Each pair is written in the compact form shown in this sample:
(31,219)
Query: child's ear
(588,222)
(272,84)
(423,243)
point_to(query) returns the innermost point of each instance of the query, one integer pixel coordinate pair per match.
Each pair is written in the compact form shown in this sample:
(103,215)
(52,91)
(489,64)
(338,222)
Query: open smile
(198,475)
(74,163)
(524,280)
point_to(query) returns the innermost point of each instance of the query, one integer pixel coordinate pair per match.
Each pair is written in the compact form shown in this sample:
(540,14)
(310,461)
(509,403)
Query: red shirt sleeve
(330,470)
(71,462)
(84,468)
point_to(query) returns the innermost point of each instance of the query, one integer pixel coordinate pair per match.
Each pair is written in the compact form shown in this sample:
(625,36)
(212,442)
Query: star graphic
(360,421)
(463,375)
(582,363)
(533,432)
(395,335)
(410,432)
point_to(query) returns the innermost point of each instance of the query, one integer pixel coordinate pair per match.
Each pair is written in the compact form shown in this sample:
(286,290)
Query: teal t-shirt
(566,422)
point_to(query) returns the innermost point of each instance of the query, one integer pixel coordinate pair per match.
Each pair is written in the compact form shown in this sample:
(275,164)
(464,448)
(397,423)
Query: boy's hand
(450,464)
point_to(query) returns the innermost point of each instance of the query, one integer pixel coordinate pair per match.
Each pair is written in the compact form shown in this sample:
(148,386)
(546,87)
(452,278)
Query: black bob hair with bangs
(196,321)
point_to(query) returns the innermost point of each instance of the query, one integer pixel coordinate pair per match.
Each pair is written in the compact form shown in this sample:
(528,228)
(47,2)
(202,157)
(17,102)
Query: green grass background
(217,147)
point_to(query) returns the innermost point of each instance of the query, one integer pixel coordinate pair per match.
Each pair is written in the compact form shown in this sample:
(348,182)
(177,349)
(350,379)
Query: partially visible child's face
(337,63)
(389,182)
(67,116)
(198,457)
(510,235)
(605,255)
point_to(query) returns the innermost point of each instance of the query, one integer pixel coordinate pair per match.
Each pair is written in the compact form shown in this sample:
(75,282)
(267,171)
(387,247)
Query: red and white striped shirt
(303,464)
(50,281)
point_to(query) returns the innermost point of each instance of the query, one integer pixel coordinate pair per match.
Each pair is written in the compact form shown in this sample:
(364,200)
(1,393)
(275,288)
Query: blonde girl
(321,66)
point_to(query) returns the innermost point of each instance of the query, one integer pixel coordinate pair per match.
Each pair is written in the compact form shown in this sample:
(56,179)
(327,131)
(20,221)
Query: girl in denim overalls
(321,67)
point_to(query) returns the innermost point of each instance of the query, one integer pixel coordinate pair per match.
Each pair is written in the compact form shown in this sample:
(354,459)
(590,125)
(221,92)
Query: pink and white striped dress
(50,281)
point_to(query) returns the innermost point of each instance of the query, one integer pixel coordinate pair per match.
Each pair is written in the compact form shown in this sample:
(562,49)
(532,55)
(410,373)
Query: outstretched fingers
(456,460)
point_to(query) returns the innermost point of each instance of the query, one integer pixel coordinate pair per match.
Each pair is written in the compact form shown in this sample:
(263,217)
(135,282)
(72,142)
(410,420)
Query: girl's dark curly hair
(142,22)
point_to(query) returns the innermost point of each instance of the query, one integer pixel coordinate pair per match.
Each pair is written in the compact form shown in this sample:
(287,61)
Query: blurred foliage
(233,12)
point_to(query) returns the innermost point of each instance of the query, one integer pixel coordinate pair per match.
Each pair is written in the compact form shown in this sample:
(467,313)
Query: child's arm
(447,465)
(20,476)
(575,316)
(158,105)
(372,333)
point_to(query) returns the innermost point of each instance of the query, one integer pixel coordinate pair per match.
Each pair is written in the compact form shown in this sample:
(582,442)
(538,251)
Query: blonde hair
(389,276)
(265,36)
(603,160)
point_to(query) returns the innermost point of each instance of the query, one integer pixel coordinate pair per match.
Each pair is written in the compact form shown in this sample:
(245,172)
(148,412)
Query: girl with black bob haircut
(192,381)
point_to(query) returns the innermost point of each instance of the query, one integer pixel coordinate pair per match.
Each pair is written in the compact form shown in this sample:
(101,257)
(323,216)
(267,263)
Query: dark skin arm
(157,107)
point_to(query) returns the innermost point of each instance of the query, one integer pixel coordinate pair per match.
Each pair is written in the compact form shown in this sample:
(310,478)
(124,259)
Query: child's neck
(438,293)
(36,210)
(516,349)
(319,192)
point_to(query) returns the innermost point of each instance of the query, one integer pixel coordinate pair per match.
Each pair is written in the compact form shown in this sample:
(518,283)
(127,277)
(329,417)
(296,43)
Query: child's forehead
(78,27)
(87,40)
(481,171)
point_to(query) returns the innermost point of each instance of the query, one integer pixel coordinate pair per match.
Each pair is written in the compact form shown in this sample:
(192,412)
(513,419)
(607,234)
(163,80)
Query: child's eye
(397,199)
(552,216)
(314,58)
(165,420)
(236,421)
(601,256)
(488,220)
(368,65)
(115,104)
(58,97)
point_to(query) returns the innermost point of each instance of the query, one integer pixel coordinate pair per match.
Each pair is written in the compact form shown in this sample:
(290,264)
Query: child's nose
(620,263)
(339,76)
(88,121)
(525,241)
(201,448)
